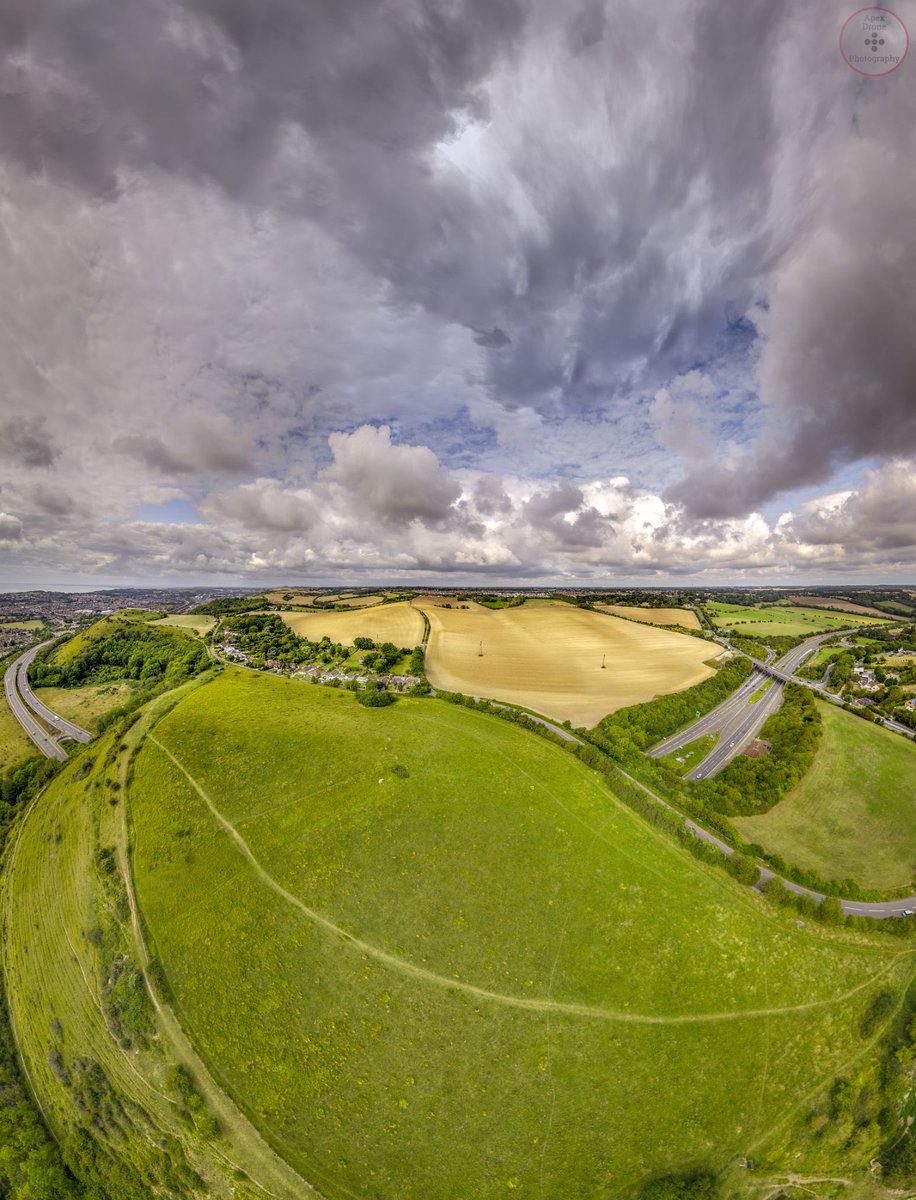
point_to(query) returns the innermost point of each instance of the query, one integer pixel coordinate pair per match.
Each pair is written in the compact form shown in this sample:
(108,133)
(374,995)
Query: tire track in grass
(529,1004)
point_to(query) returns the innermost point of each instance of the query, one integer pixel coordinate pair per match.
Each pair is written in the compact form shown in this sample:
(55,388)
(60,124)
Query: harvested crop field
(194,622)
(836,605)
(288,596)
(654,616)
(357,601)
(548,657)
(398,623)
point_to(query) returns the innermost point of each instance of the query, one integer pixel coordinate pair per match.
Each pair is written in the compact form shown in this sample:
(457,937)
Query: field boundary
(530,1004)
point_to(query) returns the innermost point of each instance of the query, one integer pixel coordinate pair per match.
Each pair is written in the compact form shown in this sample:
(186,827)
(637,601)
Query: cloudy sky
(454,289)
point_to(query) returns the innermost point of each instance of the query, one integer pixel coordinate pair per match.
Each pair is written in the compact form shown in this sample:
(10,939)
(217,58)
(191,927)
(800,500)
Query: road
(877,910)
(65,728)
(43,740)
(736,721)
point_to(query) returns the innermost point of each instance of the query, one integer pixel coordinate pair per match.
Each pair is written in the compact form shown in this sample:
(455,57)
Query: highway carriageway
(877,909)
(37,720)
(736,721)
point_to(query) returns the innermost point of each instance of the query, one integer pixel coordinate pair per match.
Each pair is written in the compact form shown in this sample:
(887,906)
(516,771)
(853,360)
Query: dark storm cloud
(838,369)
(197,445)
(27,442)
(353,114)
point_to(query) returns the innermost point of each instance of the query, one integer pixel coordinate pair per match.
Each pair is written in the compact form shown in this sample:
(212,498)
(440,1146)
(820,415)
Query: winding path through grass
(405,967)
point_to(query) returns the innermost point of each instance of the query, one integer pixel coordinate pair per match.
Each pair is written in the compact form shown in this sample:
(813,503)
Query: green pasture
(35,624)
(789,620)
(14,745)
(430,954)
(85,705)
(852,815)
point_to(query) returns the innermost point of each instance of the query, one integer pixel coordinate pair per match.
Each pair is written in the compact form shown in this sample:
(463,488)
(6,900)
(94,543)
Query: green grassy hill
(421,948)
(852,815)
(413,952)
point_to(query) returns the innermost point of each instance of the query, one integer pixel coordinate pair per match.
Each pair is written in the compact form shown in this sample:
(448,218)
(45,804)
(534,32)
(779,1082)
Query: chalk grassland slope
(852,815)
(85,705)
(398,623)
(431,955)
(654,616)
(100,1058)
(789,620)
(548,657)
(836,605)
(197,623)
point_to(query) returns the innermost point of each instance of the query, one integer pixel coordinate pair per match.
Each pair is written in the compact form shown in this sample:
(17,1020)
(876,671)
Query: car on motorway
(908,912)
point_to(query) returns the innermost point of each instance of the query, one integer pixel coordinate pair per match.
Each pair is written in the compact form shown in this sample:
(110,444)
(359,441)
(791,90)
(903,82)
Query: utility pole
(480,650)
(602,662)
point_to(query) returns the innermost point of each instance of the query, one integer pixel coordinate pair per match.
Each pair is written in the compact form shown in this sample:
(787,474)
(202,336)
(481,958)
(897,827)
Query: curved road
(27,709)
(736,720)
(43,740)
(878,910)
(65,728)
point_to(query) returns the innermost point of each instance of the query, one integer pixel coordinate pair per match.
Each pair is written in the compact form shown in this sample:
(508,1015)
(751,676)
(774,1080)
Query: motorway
(32,715)
(736,721)
(42,739)
(878,910)
(65,728)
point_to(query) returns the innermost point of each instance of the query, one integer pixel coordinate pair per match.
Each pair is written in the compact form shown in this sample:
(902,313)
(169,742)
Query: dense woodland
(135,650)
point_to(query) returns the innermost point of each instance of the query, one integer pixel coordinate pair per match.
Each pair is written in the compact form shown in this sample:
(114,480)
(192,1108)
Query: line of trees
(640,726)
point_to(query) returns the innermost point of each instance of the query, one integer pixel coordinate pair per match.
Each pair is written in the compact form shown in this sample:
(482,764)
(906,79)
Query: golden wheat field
(654,616)
(289,596)
(398,623)
(548,657)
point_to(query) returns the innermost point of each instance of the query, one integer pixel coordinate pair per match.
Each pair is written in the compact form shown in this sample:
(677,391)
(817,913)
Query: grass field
(197,623)
(852,815)
(14,745)
(36,624)
(64,923)
(398,623)
(430,955)
(547,657)
(85,705)
(654,616)
(785,619)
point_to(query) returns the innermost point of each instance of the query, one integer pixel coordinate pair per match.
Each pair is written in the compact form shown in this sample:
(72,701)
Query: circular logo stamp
(874,41)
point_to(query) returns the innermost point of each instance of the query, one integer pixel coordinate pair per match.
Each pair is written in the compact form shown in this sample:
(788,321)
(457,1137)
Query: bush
(371,697)
(681,1187)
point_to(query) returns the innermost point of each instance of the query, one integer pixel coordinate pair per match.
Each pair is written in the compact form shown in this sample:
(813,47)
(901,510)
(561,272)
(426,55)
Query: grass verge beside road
(852,814)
